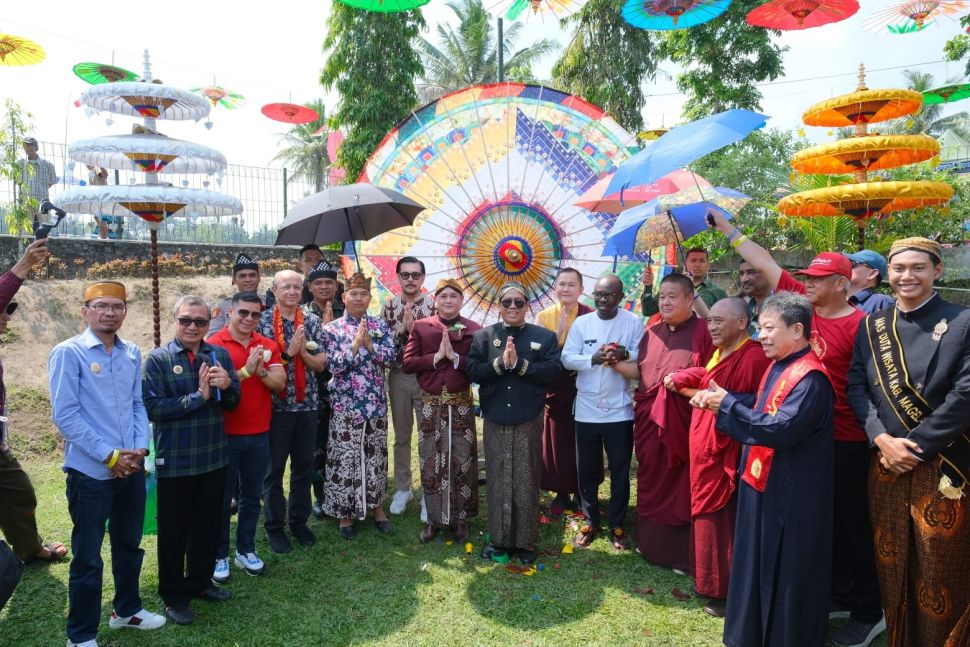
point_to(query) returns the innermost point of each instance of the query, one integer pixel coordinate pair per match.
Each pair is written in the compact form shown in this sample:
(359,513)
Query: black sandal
(348,532)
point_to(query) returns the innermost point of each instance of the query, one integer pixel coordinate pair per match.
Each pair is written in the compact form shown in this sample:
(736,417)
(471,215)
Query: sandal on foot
(55,552)
(586,536)
(619,540)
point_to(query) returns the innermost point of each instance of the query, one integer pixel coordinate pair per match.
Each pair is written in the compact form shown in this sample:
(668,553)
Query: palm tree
(929,120)
(467,55)
(305,153)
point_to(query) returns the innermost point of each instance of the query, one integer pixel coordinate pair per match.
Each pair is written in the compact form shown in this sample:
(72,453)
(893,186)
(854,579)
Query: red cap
(828,263)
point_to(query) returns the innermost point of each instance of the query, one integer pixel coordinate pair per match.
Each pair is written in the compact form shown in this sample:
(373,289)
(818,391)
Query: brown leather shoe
(460,531)
(427,533)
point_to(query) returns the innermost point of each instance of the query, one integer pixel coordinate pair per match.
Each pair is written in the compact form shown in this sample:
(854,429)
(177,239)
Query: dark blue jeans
(248,463)
(92,503)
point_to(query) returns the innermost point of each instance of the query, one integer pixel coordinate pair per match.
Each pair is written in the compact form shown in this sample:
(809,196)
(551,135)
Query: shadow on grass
(39,600)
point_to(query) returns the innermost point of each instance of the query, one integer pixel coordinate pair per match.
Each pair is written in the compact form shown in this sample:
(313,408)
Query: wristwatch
(285,356)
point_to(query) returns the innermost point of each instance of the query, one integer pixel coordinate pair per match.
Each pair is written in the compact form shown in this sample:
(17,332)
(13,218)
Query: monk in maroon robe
(662,420)
(737,365)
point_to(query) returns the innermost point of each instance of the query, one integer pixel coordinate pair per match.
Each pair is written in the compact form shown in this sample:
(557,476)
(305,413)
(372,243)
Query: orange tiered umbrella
(867,153)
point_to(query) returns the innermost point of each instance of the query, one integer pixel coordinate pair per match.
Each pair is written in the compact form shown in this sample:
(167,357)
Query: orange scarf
(299,372)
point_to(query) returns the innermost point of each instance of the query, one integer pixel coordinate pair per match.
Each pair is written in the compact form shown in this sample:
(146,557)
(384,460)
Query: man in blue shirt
(96,398)
(868,270)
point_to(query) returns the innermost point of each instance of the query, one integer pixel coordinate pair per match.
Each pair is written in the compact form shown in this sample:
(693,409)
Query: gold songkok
(111,289)
(448,283)
(357,280)
(918,244)
(508,286)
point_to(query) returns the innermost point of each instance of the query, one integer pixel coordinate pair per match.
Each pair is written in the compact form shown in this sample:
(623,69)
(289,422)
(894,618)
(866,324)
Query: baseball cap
(872,259)
(828,263)
(30,140)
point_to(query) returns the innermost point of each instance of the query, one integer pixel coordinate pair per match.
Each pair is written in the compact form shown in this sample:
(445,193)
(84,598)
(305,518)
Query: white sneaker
(86,643)
(250,563)
(142,620)
(221,574)
(424,511)
(400,501)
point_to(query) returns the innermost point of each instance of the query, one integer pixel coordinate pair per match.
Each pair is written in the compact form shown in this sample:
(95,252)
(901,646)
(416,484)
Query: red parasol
(290,113)
(801,14)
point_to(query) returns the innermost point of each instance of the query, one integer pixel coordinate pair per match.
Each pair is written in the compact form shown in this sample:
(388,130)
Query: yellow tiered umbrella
(863,107)
(870,153)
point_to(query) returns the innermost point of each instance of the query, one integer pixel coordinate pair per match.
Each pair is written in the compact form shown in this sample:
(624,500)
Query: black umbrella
(346,212)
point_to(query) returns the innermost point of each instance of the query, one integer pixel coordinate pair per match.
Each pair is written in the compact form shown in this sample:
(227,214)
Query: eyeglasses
(102,308)
(252,314)
(858,263)
(605,295)
(413,276)
(185,322)
(508,303)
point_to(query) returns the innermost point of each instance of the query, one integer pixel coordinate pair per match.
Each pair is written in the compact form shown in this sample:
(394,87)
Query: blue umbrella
(684,144)
(664,15)
(690,219)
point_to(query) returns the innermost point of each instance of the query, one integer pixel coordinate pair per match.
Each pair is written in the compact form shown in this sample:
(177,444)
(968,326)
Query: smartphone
(42,231)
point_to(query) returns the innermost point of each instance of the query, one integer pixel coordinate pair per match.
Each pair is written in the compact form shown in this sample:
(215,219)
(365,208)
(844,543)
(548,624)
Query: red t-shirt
(833,340)
(255,404)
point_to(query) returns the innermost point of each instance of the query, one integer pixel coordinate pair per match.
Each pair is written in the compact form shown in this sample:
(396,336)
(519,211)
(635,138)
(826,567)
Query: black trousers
(617,439)
(320,451)
(292,435)
(855,585)
(189,518)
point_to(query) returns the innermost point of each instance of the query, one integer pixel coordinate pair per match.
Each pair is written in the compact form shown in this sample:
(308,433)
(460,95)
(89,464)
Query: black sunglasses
(605,295)
(508,303)
(252,314)
(414,276)
(188,321)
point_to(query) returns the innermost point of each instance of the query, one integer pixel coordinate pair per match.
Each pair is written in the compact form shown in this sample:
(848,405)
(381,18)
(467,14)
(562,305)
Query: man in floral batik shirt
(358,347)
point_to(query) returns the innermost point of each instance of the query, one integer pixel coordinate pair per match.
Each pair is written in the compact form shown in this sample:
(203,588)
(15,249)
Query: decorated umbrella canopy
(385,6)
(290,113)
(947,94)
(15,50)
(662,15)
(862,107)
(652,134)
(533,10)
(219,96)
(147,153)
(915,12)
(596,199)
(98,73)
(499,167)
(908,27)
(867,153)
(801,14)
(149,100)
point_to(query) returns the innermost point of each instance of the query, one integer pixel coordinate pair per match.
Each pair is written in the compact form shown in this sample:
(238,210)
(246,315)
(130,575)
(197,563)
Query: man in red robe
(662,420)
(737,365)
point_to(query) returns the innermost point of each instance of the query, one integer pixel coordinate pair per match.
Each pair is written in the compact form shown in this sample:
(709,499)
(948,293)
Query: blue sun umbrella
(682,145)
(662,15)
(648,225)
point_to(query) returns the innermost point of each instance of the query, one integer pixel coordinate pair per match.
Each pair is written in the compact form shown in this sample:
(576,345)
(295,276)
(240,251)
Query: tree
(20,211)
(372,64)
(306,154)
(467,55)
(930,119)
(607,61)
(958,47)
(724,60)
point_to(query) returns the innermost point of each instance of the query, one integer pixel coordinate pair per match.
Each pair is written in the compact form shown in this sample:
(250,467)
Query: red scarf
(299,372)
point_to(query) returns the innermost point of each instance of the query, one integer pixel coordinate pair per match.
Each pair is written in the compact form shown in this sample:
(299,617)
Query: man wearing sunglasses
(400,312)
(188,384)
(514,363)
(257,364)
(868,271)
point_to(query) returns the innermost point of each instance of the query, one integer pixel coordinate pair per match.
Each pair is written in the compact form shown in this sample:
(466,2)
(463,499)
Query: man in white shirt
(596,344)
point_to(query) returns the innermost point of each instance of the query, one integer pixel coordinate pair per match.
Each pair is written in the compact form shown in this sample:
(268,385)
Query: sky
(272,52)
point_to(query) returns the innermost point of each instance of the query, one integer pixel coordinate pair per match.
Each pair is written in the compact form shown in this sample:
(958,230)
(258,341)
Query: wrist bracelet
(737,242)
(115,454)
(733,234)
(243,373)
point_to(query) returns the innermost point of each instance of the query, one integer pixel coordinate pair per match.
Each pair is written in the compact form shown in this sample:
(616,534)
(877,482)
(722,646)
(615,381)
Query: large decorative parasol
(533,10)
(947,94)
(801,14)
(152,153)
(385,6)
(499,168)
(915,13)
(290,113)
(596,198)
(98,73)
(663,15)
(15,50)
(864,152)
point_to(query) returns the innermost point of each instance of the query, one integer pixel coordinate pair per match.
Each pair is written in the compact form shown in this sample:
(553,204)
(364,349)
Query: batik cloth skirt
(513,464)
(448,452)
(356,474)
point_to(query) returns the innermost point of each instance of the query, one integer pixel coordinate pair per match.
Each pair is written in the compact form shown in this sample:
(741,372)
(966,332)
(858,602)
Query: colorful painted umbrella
(871,153)
(947,94)
(533,10)
(596,199)
(915,12)
(98,73)
(908,27)
(15,50)
(801,14)
(219,96)
(290,113)
(385,6)
(663,15)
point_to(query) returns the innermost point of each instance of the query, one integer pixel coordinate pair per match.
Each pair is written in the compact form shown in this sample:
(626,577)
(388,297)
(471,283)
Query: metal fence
(266,195)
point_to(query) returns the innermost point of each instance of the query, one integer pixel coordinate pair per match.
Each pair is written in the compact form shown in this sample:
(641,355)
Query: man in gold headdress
(437,352)
(359,347)
(909,386)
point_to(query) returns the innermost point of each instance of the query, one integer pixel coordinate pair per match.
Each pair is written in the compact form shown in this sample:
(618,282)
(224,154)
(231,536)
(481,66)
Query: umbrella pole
(614,263)
(156,310)
(353,243)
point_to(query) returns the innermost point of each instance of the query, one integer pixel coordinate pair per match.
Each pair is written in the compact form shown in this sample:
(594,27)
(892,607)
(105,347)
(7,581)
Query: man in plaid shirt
(186,389)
